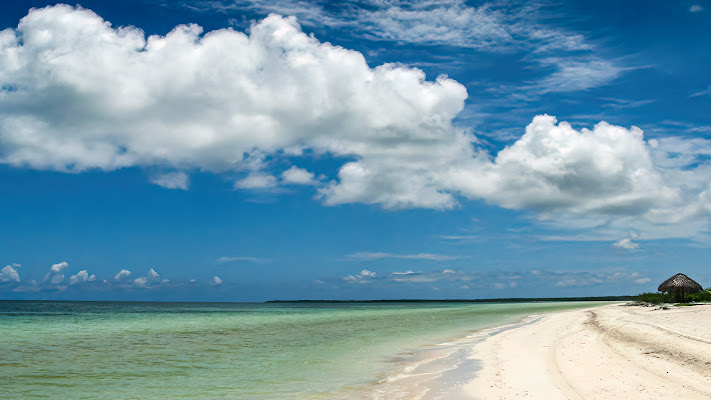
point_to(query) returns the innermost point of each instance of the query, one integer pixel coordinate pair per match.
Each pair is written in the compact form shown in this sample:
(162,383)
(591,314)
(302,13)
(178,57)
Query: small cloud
(626,244)
(9,274)
(405,273)
(567,282)
(256,180)
(704,92)
(222,260)
(414,277)
(80,277)
(643,280)
(380,255)
(145,281)
(449,271)
(507,285)
(298,176)
(696,8)
(140,282)
(59,267)
(216,281)
(122,274)
(172,180)
(363,277)
(459,237)
(319,282)
(55,275)
(577,75)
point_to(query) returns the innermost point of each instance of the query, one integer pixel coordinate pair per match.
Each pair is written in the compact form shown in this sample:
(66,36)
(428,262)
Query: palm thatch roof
(680,282)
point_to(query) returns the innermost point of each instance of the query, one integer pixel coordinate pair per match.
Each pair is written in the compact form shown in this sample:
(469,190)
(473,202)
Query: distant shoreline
(498,300)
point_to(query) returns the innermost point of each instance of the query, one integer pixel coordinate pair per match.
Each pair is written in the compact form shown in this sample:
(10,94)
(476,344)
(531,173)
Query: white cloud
(298,176)
(80,277)
(365,276)
(141,281)
(59,267)
(604,176)
(459,237)
(626,244)
(696,8)
(9,274)
(172,180)
(216,281)
(55,276)
(88,96)
(257,180)
(643,280)
(222,260)
(449,23)
(577,75)
(701,92)
(124,273)
(420,256)
(607,169)
(494,26)
(414,277)
(152,278)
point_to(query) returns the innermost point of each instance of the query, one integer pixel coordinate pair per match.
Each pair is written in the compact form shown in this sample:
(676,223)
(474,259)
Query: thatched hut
(680,285)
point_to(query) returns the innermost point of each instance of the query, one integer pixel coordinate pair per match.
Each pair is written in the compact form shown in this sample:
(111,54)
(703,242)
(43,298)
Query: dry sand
(610,352)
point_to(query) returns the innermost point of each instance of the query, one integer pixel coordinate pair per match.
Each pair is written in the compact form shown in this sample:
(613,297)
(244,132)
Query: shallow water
(89,350)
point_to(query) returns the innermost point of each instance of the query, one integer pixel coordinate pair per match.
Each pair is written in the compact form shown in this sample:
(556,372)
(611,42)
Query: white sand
(611,352)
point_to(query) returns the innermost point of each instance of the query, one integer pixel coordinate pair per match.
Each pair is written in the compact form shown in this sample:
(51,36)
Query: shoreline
(611,351)
(443,370)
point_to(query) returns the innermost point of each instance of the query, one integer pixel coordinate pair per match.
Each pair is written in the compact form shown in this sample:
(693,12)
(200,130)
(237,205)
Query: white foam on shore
(439,371)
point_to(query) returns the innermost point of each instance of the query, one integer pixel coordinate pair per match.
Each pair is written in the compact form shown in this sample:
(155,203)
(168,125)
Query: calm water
(87,350)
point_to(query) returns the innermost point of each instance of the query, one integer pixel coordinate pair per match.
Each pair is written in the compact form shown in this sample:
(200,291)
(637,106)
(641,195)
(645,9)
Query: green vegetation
(654,298)
(700,296)
(660,298)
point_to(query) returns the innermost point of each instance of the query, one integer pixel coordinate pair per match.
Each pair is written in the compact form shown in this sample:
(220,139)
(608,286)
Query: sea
(302,350)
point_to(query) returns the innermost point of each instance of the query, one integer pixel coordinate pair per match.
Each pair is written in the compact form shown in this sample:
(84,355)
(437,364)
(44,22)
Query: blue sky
(245,151)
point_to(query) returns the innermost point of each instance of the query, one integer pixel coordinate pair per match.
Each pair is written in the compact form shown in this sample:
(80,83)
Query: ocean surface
(383,350)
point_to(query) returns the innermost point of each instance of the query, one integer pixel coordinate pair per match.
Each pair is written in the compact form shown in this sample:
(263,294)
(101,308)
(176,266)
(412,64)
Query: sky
(239,150)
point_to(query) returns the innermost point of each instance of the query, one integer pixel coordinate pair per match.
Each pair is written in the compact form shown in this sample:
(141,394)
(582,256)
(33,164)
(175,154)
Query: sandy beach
(609,352)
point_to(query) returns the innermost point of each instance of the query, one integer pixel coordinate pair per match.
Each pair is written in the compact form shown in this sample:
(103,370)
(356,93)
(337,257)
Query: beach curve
(606,352)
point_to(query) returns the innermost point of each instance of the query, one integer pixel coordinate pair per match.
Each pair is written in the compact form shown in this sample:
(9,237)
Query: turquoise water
(91,350)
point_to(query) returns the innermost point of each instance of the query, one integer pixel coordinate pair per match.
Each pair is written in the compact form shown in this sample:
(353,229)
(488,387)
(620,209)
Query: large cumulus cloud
(79,94)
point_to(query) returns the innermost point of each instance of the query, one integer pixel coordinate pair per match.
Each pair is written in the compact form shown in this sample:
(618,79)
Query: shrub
(704,295)
(654,298)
